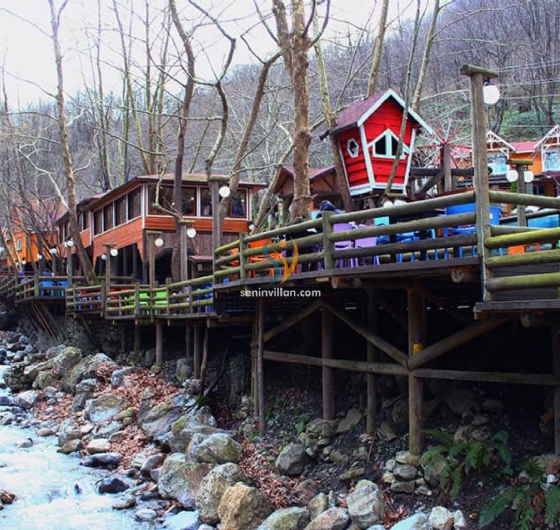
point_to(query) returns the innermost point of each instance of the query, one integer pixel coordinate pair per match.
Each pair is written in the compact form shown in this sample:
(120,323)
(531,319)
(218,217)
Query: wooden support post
(159,343)
(328,245)
(416,341)
(448,180)
(260,366)
(205,353)
(188,342)
(555,330)
(328,373)
(137,336)
(123,338)
(196,355)
(478,76)
(372,354)
(254,394)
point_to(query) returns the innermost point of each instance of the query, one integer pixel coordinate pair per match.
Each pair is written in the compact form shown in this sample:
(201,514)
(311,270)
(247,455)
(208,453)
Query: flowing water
(53,491)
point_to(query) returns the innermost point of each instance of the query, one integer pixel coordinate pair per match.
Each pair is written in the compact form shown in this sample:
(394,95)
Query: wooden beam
(327,371)
(342,364)
(372,354)
(451,342)
(439,303)
(159,343)
(382,344)
(416,341)
(489,377)
(196,353)
(292,320)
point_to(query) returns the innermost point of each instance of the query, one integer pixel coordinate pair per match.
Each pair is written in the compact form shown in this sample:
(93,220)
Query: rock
(44,380)
(305,491)
(212,488)
(156,421)
(112,485)
(66,360)
(461,400)
(433,473)
(87,385)
(293,518)
(70,446)
(318,505)
(68,430)
(151,463)
(104,407)
(441,518)
(365,504)
(405,472)
(402,487)
(145,515)
(243,508)
(331,519)
(292,460)
(347,423)
(26,399)
(180,479)
(199,421)
(418,521)
(218,448)
(85,369)
(404,457)
(102,460)
(182,521)
(117,377)
(459,521)
(550,463)
(183,370)
(98,445)
(129,502)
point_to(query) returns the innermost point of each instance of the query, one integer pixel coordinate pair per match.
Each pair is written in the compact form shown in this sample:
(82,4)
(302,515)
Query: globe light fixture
(69,243)
(490,93)
(158,242)
(224,192)
(191,232)
(104,257)
(511,175)
(528,176)
(114,252)
(53,251)
(39,257)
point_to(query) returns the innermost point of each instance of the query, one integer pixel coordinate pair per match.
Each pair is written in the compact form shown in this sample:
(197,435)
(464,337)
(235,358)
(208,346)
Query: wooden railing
(418,232)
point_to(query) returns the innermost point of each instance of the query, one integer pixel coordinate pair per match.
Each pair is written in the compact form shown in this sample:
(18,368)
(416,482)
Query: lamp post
(218,188)
(478,76)
(522,175)
(69,268)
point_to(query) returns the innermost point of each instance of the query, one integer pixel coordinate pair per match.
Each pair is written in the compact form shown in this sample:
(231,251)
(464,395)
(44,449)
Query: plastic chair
(342,245)
(367,242)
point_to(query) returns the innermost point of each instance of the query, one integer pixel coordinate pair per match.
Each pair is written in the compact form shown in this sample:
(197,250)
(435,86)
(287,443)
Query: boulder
(183,370)
(441,518)
(293,518)
(68,430)
(102,460)
(243,508)
(198,421)
(333,519)
(156,421)
(26,399)
(418,521)
(31,372)
(104,407)
(351,419)
(212,488)
(318,505)
(66,360)
(151,463)
(365,504)
(112,485)
(292,460)
(182,521)
(98,445)
(85,369)
(218,448)
(44,379)
(179,479)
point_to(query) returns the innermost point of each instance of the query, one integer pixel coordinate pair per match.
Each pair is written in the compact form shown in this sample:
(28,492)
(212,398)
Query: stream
(53,491)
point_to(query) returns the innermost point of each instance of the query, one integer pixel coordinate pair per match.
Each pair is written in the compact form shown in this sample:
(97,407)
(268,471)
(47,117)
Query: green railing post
(328,245)
(242,259)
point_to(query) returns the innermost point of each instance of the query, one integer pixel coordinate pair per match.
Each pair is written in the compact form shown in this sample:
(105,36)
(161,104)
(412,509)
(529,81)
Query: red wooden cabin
(368,133)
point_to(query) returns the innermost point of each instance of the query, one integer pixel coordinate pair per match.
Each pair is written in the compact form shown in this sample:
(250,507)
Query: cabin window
(353,148)
(19,244)
(238,205)
(108,220)
(188,201)
(134,204)
(83,220)
(98,222)
(120,210)
(205,202)
(498,163)
(552,160)
(165,199)
(386,146)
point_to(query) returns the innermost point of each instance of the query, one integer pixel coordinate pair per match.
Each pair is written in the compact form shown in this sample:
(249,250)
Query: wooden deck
(436,279)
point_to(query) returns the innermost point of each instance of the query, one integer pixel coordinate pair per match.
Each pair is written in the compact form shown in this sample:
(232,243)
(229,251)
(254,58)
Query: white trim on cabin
(367,157)
(391,93)
(389,135)
(362,188)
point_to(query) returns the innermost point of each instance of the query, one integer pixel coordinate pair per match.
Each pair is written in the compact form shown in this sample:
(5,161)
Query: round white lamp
(490,94)
(114,252)
(69,243)
(528,176)
(511,175)
(104,257)
(191,231)
(53,251)
(158,242)
(224,192)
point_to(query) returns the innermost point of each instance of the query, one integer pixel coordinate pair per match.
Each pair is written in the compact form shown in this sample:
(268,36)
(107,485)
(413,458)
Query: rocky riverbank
(175,467)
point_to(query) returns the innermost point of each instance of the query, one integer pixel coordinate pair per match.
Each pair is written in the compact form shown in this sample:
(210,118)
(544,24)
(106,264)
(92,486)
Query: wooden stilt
(260,366)
(372,355)
(555,330)
(416,341)
(328,373)
(188,342)
(137,334)
(196,353)
(254,394)
(159,343)
(204,358)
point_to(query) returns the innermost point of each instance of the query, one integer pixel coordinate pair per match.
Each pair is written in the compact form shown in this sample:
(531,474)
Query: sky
(26,49)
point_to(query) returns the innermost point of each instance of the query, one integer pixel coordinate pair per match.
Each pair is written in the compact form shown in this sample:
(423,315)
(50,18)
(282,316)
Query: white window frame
(388,135)
(353,148)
